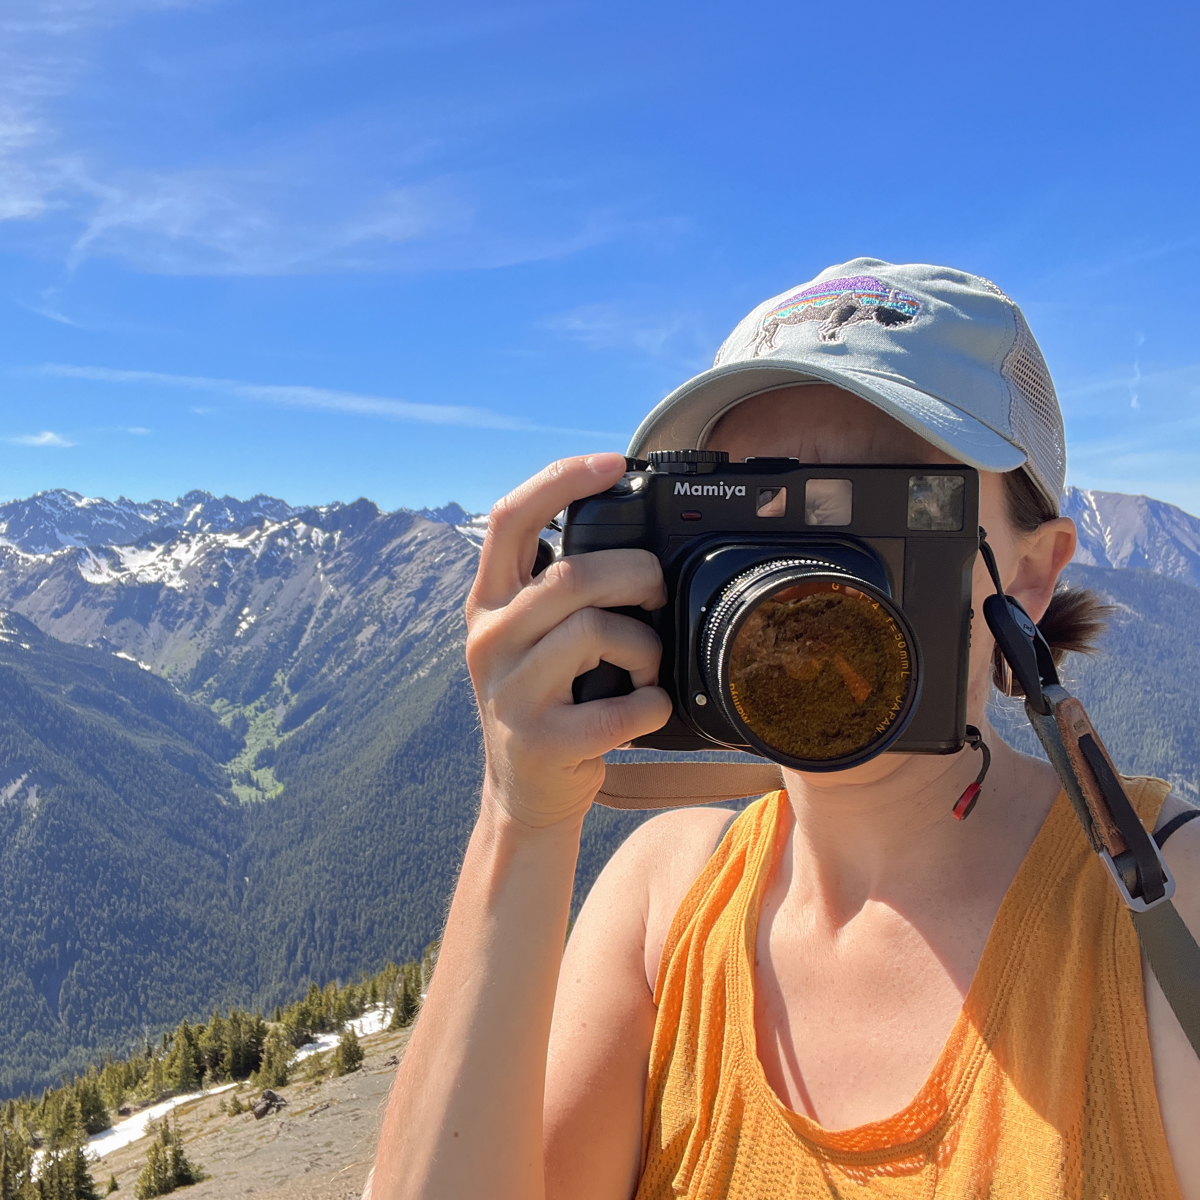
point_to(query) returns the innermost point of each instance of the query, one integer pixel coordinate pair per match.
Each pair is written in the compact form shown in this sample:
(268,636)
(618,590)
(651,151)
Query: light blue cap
(945,353)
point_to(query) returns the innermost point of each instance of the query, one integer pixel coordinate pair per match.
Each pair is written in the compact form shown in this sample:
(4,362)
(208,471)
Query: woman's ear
(1041,556)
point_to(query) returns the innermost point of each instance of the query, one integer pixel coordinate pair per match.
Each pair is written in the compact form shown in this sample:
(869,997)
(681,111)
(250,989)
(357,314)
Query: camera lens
(813,665)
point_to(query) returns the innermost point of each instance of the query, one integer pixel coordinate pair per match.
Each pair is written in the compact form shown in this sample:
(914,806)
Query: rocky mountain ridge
(1134,532)
(1115,529)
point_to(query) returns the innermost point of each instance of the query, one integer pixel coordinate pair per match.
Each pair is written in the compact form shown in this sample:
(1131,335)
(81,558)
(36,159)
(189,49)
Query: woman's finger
(595,728)
(578,644)
(516,520)
(602,579)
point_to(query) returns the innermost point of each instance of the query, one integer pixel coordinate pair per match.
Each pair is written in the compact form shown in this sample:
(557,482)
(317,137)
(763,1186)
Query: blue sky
(355,248)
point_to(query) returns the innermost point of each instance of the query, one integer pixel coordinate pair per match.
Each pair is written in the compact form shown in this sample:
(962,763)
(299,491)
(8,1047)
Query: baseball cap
(944,352)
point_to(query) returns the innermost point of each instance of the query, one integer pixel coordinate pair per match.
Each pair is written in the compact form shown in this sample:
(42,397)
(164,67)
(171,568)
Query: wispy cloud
(320,400)
(45,438)
(345,195)
(676,336)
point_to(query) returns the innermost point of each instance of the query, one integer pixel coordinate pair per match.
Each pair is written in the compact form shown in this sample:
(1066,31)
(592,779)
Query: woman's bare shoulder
(659,862)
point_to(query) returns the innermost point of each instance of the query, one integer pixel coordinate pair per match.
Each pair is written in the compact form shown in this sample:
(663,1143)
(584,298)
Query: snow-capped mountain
(1117,530)
(56,519)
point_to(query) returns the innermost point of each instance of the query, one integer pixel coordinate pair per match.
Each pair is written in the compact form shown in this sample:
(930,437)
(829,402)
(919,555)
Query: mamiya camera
(816,615)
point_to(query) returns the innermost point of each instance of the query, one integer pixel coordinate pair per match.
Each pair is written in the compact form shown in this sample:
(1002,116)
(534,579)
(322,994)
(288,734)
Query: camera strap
(1130,855)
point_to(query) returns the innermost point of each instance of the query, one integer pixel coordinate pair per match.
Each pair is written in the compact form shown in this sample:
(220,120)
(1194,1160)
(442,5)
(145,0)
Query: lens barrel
(813,665)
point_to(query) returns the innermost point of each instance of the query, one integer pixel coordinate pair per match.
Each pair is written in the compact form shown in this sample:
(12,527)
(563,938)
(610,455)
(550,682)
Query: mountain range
(240,751)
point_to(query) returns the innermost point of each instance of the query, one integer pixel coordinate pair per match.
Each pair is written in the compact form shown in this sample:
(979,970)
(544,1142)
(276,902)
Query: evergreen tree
(408,997)
(349,1054)
(276,1060)
(211,1044)
(341,1010)
(92,1109)
(16,1161)
(167,1166)
(182,1067)
(62,1172)
(154,1179)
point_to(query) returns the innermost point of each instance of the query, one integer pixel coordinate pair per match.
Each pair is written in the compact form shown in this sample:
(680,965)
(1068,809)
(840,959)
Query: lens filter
(814,666)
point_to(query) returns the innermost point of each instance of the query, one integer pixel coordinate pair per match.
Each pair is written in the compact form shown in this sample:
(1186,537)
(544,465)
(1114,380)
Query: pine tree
(182,1068)
(16,1161)
(153,1180)
(349,1054)
(62,1172)
(408,998)
(83,1186)
(211,1045)
(92,1109)
(167,1166)
(276,1060)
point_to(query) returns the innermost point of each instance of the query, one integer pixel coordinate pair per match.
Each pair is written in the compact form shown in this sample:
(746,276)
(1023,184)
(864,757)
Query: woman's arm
(465,1115)
(604,1013)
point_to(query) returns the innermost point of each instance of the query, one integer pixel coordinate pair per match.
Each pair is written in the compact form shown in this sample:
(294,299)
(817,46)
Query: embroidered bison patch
(837,303)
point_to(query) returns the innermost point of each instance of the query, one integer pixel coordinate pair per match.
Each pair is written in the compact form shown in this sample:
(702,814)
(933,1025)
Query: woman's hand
(465,1116)
(529,637)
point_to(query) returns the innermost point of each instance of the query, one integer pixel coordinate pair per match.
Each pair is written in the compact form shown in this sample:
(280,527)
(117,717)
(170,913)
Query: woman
(846,991)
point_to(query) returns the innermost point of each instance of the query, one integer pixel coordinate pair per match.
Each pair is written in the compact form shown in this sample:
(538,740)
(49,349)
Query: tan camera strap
(652,785)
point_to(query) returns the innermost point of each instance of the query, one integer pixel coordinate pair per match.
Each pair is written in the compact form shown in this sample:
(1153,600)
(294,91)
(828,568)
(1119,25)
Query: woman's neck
(885,830)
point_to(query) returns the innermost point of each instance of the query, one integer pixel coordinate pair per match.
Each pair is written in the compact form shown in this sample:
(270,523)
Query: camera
(817,615)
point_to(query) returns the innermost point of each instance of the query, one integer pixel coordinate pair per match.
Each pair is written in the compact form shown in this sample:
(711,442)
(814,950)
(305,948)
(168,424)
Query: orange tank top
(1044,1089)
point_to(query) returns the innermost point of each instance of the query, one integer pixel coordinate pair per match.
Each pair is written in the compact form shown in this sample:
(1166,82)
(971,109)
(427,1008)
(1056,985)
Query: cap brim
(686,417)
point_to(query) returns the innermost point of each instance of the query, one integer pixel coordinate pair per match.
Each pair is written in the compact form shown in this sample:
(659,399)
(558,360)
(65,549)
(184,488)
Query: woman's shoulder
(659,862)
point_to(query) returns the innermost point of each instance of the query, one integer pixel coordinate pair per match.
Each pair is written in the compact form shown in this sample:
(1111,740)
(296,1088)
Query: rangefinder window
(935,502)
(828,502)
(772,502)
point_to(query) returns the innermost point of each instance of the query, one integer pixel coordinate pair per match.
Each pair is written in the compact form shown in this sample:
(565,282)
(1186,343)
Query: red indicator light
(690,515)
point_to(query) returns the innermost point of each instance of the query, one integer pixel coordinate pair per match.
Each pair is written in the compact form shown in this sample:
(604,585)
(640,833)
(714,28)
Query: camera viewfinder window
(828,501)
(772,502)
(935,502)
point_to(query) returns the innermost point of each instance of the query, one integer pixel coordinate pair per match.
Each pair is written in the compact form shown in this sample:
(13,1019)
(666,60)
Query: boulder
(268,1103)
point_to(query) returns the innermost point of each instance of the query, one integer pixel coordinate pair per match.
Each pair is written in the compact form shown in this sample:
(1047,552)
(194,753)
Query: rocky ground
(320,1147)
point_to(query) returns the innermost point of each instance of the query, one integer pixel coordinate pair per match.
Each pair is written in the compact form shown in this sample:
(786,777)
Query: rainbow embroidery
(837,303)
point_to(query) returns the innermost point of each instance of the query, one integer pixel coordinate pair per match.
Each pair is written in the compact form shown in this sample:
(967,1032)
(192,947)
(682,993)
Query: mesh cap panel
(1034,413)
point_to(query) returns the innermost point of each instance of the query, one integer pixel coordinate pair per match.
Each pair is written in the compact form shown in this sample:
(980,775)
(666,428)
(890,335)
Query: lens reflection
(819,671)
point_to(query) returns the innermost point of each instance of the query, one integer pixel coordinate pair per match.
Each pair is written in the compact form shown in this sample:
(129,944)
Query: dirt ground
(318,1148)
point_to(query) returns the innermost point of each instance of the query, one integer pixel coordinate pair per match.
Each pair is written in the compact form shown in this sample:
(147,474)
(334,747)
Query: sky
(330,250)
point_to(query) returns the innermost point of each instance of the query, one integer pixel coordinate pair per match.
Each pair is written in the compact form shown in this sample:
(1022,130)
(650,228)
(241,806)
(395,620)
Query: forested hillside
(118,907)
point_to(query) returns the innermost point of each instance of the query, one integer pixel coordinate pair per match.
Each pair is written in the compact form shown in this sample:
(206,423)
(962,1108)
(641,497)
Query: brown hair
(1076,616)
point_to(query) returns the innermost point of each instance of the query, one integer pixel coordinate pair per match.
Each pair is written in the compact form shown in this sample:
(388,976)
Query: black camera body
(817,615)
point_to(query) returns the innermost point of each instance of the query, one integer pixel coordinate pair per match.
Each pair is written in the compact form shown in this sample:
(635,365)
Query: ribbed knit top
(1043,1089)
